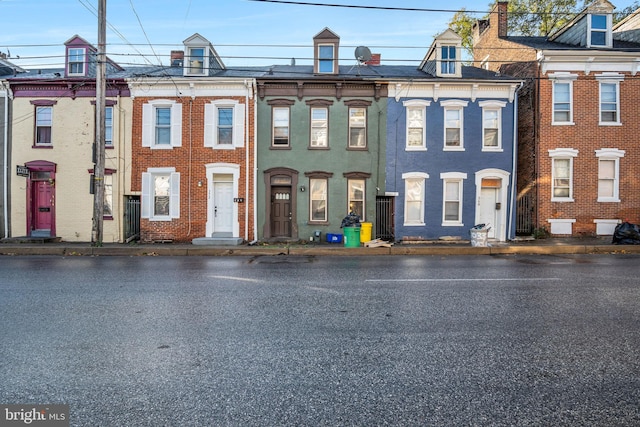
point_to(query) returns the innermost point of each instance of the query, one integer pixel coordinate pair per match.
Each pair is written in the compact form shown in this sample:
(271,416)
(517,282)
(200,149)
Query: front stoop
(217,241)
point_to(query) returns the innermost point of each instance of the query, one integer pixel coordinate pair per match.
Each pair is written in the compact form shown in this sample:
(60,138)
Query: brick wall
(189,161)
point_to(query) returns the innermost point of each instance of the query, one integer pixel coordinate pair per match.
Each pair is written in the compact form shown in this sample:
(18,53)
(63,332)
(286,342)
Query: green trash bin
(352,237)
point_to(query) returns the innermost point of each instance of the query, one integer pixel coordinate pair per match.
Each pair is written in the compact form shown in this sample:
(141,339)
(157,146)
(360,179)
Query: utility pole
(98,167)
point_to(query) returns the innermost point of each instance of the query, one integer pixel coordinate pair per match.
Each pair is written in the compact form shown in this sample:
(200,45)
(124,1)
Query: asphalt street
(516,340)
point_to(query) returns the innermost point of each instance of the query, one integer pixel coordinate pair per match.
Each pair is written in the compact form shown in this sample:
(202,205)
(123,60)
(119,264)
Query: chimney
(177,58)
(374,61)
(502,18)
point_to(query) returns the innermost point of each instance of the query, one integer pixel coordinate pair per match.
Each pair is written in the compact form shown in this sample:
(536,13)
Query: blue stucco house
(450,154)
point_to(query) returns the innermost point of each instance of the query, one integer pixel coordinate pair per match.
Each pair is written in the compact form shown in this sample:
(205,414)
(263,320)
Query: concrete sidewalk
(595,245)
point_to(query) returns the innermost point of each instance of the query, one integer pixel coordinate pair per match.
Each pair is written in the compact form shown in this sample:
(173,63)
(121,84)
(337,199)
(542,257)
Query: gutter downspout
(255,161)
(5,154)
(514,167)
(246,161)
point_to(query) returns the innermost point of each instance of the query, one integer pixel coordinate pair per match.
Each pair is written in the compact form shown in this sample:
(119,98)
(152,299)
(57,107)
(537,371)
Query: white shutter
(209,125)
(147,125)
(174,203)
(176,125)
(238,125)
(146,199)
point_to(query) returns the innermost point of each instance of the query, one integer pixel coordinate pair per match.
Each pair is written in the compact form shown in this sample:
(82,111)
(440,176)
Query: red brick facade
(537,135)
(189,160)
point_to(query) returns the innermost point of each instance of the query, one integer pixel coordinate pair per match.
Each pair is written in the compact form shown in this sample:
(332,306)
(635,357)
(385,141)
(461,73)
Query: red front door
(41,208)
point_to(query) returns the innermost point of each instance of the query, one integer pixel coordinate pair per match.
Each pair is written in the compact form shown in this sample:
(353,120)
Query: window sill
(565,200)
(311,147)
(492,150)
(415,149)
(357,149)
(452,224)
(42,146)
(160,218)
(278,147)
(162,147)
(562,124)
(609,124)
(224,147)
(608,200)
(453,149)
(318,223)
(414,224)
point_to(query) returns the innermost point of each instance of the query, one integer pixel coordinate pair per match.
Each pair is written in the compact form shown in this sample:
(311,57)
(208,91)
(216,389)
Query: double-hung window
(318,199)
(281,126)
(76,61)
(448,60)
(610,98)
(416,132)
(453,124)
(44,124)
(326,58)
(609,174)
(562,174)
(562,98)
(599,30)
(108,126)
(224,124)
(357,127)
(162,124)
(492,125)
(160,194)
(356,193)
(452,198)
(197,60)
(414,198)
(319,127)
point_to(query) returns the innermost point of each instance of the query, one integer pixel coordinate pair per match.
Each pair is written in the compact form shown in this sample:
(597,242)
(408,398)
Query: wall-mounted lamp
(302,188)
(199,183)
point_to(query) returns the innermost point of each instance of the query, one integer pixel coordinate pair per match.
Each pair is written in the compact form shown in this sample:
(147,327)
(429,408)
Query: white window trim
(364,196)
(453,177)
(415,176)
(146,210)
(615,155)
(205,61)
(416,103)
(322,60)
(563,153)
(365,126)
(562,77)
(84,61)
(326,201)
(608,31)
(311,127)
(453,104)
(439,59)
(148,124)
(211,124)
(493,105)
(610,78)
(606,227)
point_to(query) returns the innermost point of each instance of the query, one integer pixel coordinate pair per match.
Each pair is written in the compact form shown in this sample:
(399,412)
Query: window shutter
(145,208)
(174,203)
(147,125)
(209,125)
(238,125)
(176,125)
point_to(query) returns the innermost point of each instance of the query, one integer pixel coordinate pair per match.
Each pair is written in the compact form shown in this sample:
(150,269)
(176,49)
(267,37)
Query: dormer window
(448,60)
(599,31)
(76,61)
(196,60)
(326,58)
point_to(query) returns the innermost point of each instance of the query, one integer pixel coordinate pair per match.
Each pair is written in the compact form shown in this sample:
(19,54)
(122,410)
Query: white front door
(490,210)
(223,207)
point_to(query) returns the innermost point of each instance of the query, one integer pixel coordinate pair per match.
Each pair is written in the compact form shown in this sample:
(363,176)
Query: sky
(243,32)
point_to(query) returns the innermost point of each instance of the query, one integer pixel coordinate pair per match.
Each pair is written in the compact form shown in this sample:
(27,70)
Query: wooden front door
(223,208)
(42,209)
(281,213)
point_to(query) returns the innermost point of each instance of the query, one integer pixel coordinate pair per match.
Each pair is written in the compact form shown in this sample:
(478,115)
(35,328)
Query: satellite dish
(363,54)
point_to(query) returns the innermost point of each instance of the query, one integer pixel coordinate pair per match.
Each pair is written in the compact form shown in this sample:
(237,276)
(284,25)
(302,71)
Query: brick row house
(578,119)
(451,147)
(193,148)
(51,154)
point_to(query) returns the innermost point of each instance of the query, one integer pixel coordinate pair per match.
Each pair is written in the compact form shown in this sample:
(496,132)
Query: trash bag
(351,220)
(626,234)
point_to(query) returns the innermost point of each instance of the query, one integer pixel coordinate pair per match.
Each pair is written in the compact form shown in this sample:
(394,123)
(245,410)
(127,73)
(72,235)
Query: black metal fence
(524,214)
(384,218)
(132,218)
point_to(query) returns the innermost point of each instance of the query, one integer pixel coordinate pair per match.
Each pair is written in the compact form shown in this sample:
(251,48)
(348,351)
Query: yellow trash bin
(365,231)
